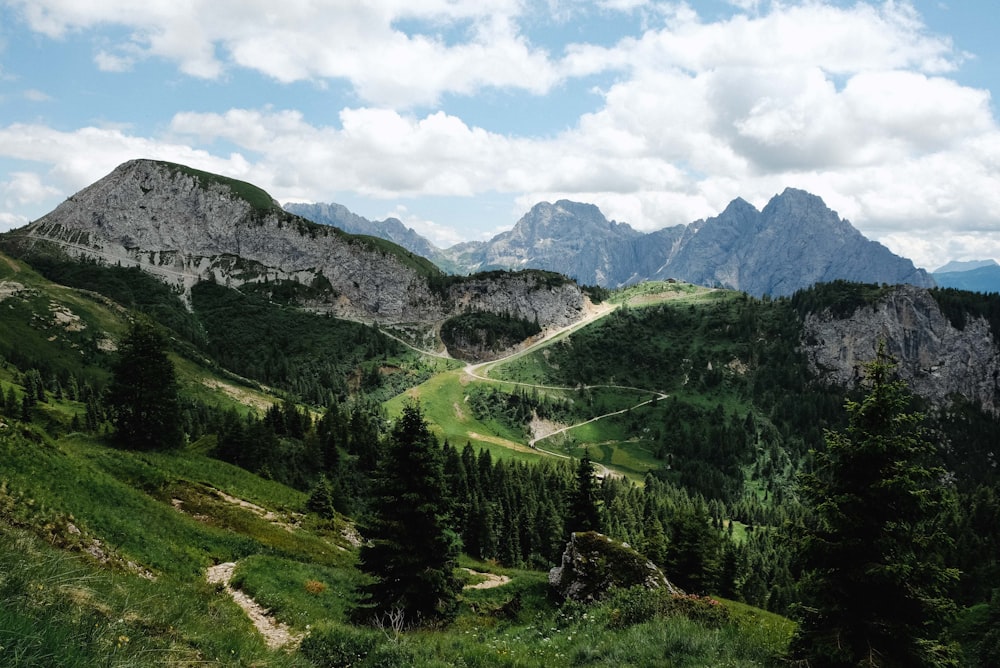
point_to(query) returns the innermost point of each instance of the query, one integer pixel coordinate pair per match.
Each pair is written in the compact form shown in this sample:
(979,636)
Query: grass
(298,593)
(442,399)
(63,608)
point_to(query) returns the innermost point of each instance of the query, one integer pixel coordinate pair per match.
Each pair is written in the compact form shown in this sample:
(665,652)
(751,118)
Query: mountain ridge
(975,276)
(186,226)
(792,243)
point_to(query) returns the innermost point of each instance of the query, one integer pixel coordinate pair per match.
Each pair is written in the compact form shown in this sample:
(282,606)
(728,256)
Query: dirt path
(276,634)
(481,372)
(492,580)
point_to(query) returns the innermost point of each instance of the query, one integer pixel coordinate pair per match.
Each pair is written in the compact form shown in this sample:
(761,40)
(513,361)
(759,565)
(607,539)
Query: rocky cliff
(185,226)
(936,359)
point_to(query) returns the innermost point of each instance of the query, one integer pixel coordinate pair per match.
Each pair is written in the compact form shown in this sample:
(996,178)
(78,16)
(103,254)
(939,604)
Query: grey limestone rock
(936,359)
(186,226)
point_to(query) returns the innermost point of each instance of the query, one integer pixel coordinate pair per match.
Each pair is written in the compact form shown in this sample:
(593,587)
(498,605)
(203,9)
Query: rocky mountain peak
(185,226)
(567,220)
(794,242)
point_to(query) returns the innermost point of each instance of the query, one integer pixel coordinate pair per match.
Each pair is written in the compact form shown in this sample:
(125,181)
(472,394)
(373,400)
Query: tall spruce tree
(411,550)
(584,514)
(143,394)
(874,590)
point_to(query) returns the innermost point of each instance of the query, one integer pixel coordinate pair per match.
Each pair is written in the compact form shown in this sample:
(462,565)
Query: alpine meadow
(232,436)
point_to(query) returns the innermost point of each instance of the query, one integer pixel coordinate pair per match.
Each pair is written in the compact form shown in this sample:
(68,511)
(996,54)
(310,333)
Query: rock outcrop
(936,359)
(593,563)
(186,226)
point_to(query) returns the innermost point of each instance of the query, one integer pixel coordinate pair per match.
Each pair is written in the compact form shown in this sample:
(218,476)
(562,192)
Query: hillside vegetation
(694,404)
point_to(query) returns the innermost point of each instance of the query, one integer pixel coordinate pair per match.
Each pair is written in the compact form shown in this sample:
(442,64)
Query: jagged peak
(739,206)
(795,199)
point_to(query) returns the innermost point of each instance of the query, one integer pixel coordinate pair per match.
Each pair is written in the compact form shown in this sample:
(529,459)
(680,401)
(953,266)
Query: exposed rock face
(593,563)
(794,242)
(575,237)
(187,226)
(935,359)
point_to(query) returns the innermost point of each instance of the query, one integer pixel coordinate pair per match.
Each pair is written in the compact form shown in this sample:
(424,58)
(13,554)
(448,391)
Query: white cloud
(78,158)
(8,221)
(441,236)
(454,47)
(23,188)
(35,95)
(853,103)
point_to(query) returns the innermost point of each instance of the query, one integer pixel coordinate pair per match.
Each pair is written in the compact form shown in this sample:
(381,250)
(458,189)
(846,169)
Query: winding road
(480,371)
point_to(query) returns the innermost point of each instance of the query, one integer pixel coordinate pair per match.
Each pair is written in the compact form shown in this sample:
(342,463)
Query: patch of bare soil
(540,428)
(276,634)
(492,580)
(263,513)
(496,440)
(239,394)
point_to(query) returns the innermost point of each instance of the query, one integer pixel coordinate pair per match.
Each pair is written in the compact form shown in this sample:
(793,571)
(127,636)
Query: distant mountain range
(975,276)
(794,242)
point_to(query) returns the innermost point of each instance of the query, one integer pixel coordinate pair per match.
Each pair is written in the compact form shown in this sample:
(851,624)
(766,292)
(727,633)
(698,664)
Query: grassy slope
(620,443)
(64,494)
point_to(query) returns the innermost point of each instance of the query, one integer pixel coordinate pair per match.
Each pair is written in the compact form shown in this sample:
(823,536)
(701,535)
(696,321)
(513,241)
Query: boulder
(592,564)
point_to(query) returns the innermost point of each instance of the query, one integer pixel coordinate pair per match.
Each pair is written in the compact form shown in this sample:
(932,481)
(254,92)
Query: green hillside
(694,404)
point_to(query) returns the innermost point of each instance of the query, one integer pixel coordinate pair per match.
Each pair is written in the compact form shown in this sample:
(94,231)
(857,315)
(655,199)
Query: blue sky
(456,116)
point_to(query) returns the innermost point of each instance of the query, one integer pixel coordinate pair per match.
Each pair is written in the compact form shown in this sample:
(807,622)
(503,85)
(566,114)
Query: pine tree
(874,590)
(143,392)
(583,512)
(411,551)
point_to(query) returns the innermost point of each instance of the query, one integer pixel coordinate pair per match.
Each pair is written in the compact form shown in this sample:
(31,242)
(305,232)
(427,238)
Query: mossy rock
(593,564)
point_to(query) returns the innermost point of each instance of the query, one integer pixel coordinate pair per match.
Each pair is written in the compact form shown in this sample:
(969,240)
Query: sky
(457,116)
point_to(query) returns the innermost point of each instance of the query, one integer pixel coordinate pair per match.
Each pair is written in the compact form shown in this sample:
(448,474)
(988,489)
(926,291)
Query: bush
(702,609)
(634,605)
(339,646)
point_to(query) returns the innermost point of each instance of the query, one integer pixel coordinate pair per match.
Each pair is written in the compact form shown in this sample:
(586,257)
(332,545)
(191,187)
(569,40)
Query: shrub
(702,609)
(315,587)
(338,646)
(635,605)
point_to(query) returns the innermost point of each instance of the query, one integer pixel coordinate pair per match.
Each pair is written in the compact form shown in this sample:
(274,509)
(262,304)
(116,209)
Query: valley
(683,420)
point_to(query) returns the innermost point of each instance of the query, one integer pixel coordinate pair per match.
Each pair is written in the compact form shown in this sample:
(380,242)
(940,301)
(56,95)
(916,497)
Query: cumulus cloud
(857,104)
(448,46)
(80,157)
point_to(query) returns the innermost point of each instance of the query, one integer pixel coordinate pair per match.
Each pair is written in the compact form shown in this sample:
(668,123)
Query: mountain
(795,241)
(705,396)
(575,237)
(340,216)
(940,357)
(975,276)
(187,226)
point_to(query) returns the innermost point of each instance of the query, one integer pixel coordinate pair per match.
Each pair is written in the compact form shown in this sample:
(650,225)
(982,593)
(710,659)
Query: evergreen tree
(874,589)
(143,393)
(583,512)
(411,551)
